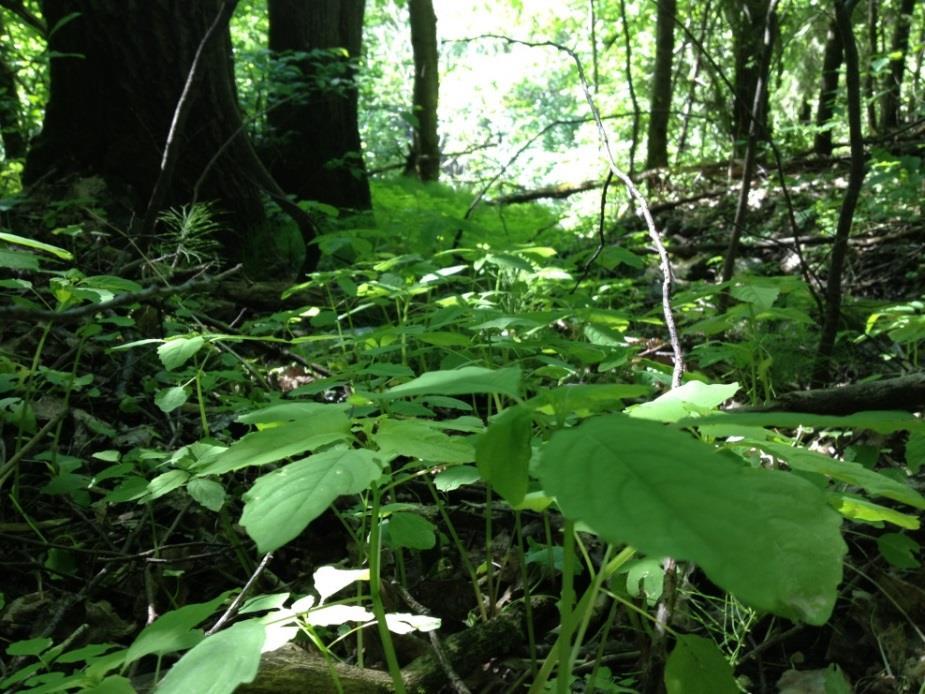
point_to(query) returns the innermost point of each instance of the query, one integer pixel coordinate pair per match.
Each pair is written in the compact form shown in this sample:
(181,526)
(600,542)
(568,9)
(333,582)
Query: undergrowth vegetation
(449,401)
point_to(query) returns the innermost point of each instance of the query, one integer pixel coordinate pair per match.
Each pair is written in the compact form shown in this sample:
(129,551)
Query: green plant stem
(587,600)
(461,548)
(566,605)
(489,568)
(375,593)
(525,579)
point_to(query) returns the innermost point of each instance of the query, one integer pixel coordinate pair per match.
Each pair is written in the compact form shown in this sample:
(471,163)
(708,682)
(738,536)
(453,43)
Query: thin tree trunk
(892,93)
(873,50)
(756,130)
(628,69)
(697,48)
(828,92)
(424,157)
(660,104)
(833,294)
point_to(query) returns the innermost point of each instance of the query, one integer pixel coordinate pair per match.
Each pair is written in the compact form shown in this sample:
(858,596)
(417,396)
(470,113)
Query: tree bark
(660,103)
(822,368)
(757,129)
(424,157)
(873,49)
(747,20)
(831,63)
(14,141)
(315,151)
(892,93)
(115,83)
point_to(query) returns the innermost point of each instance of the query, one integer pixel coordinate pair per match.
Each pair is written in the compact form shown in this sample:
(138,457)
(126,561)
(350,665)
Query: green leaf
(282,503)
(915,451)
(220,663)
(169,399)
(586,397)
(176,352)
(411,531)
(872,482)
(899,550)
(208,493)
(455,477)
(416,438)
(865,511)
(469,379)
(165,483)
(276,443)
(697,666)
(766,536)
(36,245)
(883,422)
(173,631)
(760,297)
(503,453)
(692,398)
(114,684)
(30,647)
(18,260)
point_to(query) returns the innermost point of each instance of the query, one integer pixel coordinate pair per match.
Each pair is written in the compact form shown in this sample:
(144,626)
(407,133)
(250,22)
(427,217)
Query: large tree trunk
(828,92)
(115,84)
(424,157)
(660,108)
(889,115)
(315,151)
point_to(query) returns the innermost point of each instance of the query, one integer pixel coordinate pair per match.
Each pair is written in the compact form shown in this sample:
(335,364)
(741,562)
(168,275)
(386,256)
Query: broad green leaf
(219,663)
(282,503)
(883,422)
(865,511)
(276,443)
(173,631)
(872,482)
(766,536)
(416,438)
(915,451)
(36,245)
(646,577)
(405,623)
(208,493)
(697,666)
(29,647)
(899,550)
(285,412)
(18,260)
(586,397)
(169,399)
(455,477)
(410,530)
(165,483)
(176,352)
(503,453)
(760,297)
(469,379)
(114,684)
(262,603)
(329,580)
(692,398)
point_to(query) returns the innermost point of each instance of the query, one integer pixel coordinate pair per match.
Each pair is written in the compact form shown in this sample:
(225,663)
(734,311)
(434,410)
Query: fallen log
(900,393)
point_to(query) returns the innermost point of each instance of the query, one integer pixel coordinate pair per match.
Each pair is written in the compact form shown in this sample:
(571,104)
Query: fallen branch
(75,314)
(900,393)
